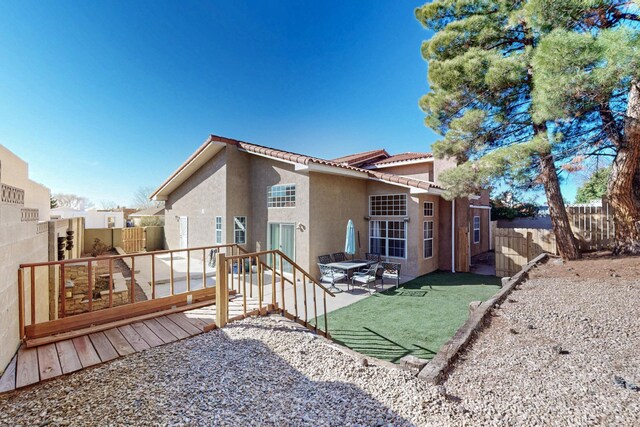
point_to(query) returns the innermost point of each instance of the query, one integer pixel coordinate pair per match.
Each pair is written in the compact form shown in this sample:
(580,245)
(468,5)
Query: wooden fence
(592,226)
(133,239)
(514,247)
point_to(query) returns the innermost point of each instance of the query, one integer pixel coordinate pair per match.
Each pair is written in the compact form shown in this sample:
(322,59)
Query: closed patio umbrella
(350,241)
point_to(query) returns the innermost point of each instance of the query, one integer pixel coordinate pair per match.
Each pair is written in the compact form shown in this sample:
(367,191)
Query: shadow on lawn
(369,342)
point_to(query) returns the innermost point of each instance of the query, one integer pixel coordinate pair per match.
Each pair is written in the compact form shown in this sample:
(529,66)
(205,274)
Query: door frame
(186,220)
(269,223)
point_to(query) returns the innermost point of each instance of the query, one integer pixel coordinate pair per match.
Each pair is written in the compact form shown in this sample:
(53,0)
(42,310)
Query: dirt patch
(596,265)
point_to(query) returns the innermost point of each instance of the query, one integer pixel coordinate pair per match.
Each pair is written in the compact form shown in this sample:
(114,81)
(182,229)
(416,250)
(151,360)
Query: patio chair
(391,270)
(372,257)
(329,275)
(366,277)
(339,257)
(324,259)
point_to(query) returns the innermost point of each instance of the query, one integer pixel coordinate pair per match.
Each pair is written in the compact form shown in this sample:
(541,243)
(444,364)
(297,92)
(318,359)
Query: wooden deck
(32,365)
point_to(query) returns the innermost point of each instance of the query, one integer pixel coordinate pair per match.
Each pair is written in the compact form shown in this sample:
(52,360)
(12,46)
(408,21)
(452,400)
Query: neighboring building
(148,217)
(24,204)
(231,191)
(93,219)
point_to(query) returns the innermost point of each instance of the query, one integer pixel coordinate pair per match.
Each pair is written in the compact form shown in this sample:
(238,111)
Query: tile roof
(403,157)
(358,159)
(305,160)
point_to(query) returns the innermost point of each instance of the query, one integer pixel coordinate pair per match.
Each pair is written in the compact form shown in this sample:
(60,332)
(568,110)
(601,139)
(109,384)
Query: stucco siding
(333,201)
(422,171)
(265,173)
(201,198)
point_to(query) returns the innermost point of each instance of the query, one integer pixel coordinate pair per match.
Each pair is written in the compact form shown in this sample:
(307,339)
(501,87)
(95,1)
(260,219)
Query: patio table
(348,266)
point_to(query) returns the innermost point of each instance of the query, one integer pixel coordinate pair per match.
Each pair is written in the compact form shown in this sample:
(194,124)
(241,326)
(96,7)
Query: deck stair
(245,284)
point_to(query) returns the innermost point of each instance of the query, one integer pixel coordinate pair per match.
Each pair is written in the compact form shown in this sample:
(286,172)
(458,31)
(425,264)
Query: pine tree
(595,187)
(587,81)
(482,83)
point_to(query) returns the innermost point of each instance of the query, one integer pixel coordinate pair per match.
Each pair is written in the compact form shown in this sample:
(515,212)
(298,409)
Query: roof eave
(204,153)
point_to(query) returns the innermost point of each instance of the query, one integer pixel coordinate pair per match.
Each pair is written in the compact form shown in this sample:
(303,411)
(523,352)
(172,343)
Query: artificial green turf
(416,319)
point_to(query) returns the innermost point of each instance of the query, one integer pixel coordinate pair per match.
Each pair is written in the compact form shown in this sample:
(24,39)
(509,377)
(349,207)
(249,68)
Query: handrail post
(204,269)
(222,291)
(189,270)
(90,285)
(282,286)
(171,274)
(33,295)
(63,296)
(153,276)
(274,301)
(21,301)
(133,280)
(110,282)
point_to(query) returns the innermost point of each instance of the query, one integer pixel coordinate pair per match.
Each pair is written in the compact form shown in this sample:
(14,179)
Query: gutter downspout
(453,236)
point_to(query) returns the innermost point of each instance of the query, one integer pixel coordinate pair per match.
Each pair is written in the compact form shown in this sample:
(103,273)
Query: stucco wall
(333,201)
(422,171)
(21,241)
(265,173)
(201,198)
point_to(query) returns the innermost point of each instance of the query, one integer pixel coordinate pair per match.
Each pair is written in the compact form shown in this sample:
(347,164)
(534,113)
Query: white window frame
(387,238)
(239,228)
(403,195)
(427,237)
(476,227)
(291,200)
(427,207)
(218,230)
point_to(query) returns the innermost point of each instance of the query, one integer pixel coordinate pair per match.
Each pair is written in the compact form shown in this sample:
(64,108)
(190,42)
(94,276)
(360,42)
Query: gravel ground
(262,371)
(564,349)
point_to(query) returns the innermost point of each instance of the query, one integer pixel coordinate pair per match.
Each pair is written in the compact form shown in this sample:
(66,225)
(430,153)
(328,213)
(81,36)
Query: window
(388,238)
(476,229)
(427,239)
(111,222)
(240,230)
(281,196)
(218,230)
(428,208)
(388,205)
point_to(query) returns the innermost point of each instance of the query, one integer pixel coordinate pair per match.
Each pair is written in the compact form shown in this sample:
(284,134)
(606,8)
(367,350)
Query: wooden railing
(42,288)
(286,280)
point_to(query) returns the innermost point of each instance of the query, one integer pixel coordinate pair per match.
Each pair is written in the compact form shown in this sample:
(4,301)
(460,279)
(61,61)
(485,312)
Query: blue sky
(102,98)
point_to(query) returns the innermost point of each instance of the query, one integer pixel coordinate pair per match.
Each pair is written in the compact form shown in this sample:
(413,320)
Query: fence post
(529,246)
(222,291)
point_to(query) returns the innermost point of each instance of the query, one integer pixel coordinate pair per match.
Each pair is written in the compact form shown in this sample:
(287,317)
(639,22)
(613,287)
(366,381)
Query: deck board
(65,355)
(119,342)
(27,371)
(147,334)
(160,331)
(48,362)
(103,347)
(69,360)
(86,353)
(8,379)
(181,320)
(133,338)
(172,327)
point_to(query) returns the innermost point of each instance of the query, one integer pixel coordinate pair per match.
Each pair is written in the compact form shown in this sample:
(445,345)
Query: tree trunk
(565,241)
(623,197)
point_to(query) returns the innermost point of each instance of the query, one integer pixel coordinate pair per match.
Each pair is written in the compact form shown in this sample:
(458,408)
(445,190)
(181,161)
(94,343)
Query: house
(24,204)
(93,218)
(150,216)
(230,191)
